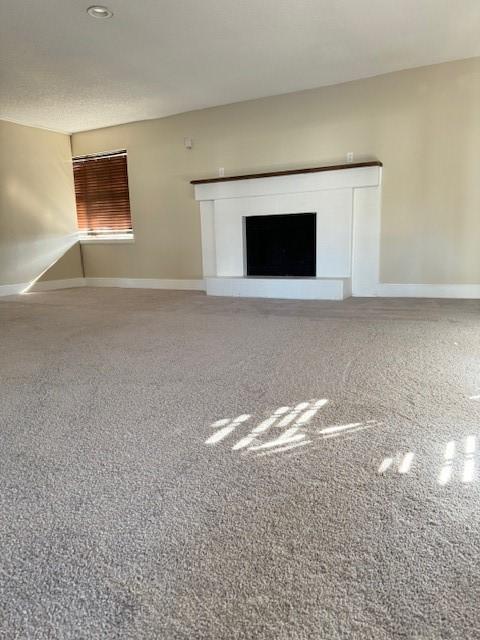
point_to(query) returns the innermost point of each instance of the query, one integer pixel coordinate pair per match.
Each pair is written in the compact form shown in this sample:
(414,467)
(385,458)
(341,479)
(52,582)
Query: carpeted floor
(174,466)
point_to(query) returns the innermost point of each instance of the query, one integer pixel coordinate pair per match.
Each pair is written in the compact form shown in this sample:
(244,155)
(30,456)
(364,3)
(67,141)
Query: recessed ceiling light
(98,11)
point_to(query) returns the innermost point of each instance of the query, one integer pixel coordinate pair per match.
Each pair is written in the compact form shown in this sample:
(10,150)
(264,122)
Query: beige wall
(424,124)
(37,204)
(69,265)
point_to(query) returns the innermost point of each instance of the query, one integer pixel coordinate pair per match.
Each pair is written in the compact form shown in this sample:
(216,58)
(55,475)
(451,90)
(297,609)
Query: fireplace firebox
(281,245)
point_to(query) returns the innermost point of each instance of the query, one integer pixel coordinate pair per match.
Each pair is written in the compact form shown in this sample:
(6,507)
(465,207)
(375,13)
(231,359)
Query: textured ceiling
(63,70)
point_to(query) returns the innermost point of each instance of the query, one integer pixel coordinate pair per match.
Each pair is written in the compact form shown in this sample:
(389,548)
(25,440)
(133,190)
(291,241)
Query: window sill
(106,239)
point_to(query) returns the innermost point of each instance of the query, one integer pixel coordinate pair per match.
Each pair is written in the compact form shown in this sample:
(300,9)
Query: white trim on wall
(463,291)
(51,285)
(385,290)
(46,285)
(147,283)
(125,283)
(12,289)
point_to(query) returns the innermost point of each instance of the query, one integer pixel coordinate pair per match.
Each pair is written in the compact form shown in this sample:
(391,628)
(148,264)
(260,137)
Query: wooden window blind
(101,192)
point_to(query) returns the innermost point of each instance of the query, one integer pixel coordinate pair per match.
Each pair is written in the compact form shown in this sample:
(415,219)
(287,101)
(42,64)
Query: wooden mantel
(290,172)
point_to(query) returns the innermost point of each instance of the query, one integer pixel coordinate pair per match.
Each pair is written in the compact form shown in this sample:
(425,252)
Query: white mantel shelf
(346,200)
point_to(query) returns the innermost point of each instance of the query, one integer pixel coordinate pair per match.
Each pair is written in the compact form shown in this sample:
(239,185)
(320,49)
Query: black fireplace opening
(281,245)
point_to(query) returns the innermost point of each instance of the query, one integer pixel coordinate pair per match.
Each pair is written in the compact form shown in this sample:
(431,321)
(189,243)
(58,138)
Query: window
(101,192)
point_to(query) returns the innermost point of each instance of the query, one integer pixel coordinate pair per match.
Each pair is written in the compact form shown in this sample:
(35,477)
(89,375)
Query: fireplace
(332,251)
(281,245)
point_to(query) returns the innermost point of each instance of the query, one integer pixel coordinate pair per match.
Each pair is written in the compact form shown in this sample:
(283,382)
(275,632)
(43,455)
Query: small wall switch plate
(221,172)
(188,142)
(350,156)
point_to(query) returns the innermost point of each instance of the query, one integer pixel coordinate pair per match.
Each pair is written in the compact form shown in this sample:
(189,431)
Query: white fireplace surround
(347,204)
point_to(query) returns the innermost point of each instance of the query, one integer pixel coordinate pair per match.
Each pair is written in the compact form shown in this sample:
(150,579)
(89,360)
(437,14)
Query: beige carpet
(174,466)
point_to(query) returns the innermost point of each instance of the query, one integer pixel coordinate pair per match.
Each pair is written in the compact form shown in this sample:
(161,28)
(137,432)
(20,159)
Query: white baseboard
(385,290)
(127,283)
(51,285)
(388,290)
(12,289)
(147,283)
(47,285)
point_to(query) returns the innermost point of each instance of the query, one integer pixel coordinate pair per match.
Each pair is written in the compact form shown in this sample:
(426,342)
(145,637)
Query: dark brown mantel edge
(291,172)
